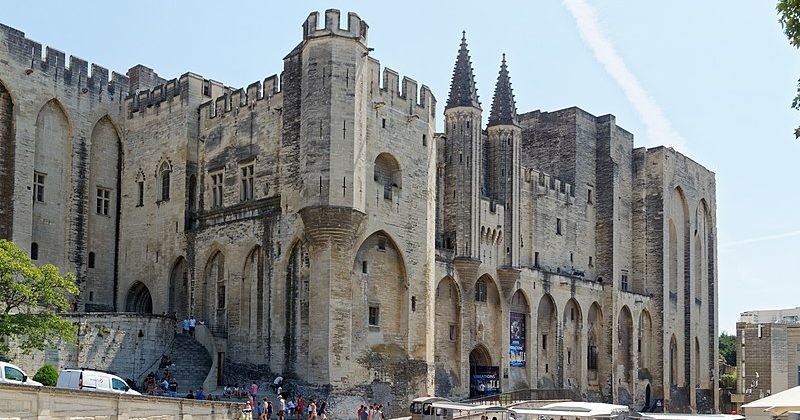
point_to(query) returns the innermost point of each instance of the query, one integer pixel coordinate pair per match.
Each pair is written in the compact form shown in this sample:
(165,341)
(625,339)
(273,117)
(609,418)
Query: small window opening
(591,263)
(91,296)
(424,140)
(364,267)
(38,187)
(558,226)
(383,122)
(536,259)
(544,341)
(452,332)
(589,198)
(34,251)
(374,316)
(480,291)
(382,244)
(91,260)
(140,194)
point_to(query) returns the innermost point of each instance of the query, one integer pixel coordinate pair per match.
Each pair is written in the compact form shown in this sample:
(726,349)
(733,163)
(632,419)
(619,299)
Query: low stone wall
(45,403)
(124,343)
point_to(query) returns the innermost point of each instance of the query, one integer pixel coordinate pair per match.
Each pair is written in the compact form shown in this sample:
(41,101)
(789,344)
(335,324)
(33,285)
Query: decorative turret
(503,173)
(504,109)
(462,87)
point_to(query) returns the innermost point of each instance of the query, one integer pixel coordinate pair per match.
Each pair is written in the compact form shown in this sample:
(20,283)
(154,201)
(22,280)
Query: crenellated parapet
(356,28)
(388,90)
(170,94)
(233,100)
(28,54)
(543,184)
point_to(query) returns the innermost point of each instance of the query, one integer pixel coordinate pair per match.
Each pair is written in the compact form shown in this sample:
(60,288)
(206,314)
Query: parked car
(93,380)
(10,374)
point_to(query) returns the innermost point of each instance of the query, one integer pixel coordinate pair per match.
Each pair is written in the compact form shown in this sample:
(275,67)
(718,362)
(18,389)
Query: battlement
(232,100)
(175,92)
(28,53)
(544,184)
(356,28)
(385,87)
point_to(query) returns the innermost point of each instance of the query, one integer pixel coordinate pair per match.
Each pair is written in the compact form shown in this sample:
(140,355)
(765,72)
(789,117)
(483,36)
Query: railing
(523,395)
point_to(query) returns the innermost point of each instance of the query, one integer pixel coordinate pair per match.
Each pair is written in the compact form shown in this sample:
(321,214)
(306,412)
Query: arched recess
(447,333)
(519,320)
(484,374)
(296,307)
(212,300)
(487,309)
(251,304)
(595,343)
(698,364)
(179,289)
(645,344)
(673,361)
(7,163)
(673,262)
(546,320)
(387,174)
(573,345)
(380,299)
(164,180)
(709,284)
(103,197)
(138,299)
(52,166)
(625,344)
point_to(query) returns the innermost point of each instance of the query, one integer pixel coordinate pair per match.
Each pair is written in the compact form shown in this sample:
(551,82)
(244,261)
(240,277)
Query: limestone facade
(319,225)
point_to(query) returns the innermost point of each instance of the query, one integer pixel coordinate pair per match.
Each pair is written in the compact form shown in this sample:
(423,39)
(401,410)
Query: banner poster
(484,380)
(516,349)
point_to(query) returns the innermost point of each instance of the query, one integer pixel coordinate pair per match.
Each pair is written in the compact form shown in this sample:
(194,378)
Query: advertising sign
(484,380)
(516,348)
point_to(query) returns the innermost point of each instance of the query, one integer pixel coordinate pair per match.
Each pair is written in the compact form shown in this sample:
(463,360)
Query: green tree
(47,375)
(789,17)
(30,299)
(727,348)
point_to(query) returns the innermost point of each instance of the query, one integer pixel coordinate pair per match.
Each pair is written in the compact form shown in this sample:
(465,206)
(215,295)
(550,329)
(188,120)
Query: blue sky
(721,76)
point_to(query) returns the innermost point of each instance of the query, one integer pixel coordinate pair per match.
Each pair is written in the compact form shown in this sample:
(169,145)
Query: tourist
(281,407)
(380,413)
(312,410)
(200,394)
(280,390)
(173,388)
(269,408)
(190,395)
(258,412)
(277,382)
(363,413)
(185,326)
(254,389)
(322,410)
(192,325)
(301,405)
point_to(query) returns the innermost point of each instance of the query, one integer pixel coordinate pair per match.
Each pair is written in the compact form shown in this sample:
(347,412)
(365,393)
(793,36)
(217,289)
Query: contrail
(762,238)
(659,130)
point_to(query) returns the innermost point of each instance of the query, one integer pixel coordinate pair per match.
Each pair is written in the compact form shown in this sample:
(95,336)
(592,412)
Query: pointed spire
(462,87)
(504,109)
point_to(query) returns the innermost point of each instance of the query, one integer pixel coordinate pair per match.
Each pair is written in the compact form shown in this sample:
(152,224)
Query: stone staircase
(192,363)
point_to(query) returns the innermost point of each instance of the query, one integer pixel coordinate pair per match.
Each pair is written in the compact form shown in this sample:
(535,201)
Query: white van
(10,374)
(92,380)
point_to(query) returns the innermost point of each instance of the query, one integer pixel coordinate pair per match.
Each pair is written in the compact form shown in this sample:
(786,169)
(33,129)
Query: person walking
(173,388)
(301,406)
(254,389)
(281,407)
(192,325)
(312,410)
(186,327)
(322,410)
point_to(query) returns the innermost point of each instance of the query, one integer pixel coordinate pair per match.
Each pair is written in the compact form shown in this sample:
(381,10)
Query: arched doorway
(596,365)
(139,299)
(518,341)
(8,146)
(484,376)
(647,398)
(447,333)
(673,361)
(625,344)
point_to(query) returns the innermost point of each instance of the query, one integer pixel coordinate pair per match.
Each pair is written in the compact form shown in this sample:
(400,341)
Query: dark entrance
(139,299)
(647,398)
(484,379)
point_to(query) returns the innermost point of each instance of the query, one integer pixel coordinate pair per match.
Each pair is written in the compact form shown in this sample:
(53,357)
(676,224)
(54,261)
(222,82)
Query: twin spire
(464,93)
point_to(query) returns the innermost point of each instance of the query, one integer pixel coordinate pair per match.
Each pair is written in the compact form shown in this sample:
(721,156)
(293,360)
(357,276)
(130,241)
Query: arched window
(164,173)
(34,251)
(387,174)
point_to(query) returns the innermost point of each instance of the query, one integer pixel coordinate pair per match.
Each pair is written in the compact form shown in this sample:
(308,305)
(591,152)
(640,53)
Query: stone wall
(24,402)
(128,345)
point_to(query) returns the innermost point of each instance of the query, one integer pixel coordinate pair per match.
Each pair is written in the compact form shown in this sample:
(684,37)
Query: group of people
(164,385)
(290,408)
(189,325)
(373,412)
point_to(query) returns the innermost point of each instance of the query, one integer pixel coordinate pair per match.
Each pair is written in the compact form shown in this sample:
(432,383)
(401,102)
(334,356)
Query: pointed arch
(52,167)
(595,343)
(572,325)
(102,194)
(164,176)
(8,146)
(547,348)
(295,304)
(480,356)
(673,361)
(251,302)
(645,344)
(380,295)
(625,343)
(212,293)
(447,333)
(519,320)
(138,299)
(178,302)
(387,174)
